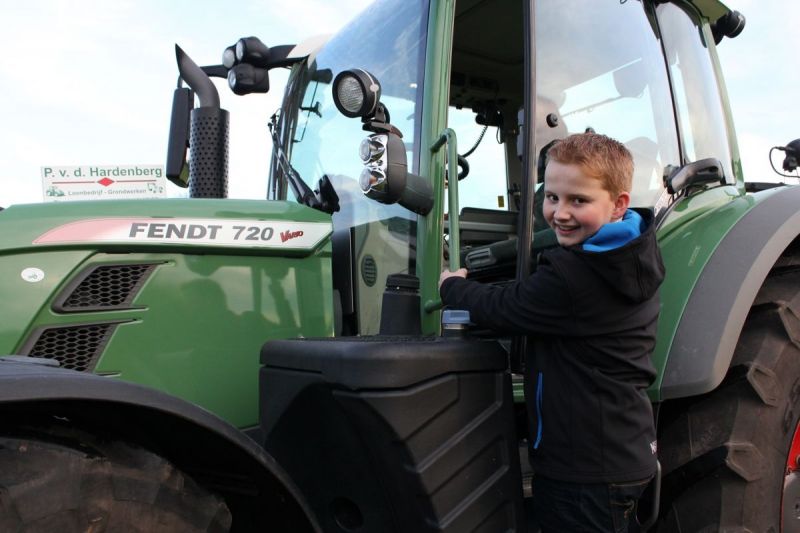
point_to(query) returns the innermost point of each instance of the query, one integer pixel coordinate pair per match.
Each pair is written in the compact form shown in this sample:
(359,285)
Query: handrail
(448,137)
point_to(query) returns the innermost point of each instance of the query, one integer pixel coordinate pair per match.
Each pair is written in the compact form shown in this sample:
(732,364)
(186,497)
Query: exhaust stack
(208,134)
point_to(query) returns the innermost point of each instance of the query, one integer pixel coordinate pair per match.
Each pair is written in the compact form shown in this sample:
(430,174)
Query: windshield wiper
(323,199)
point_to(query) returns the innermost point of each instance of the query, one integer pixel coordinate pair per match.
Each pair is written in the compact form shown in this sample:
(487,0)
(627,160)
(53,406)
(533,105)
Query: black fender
(706,337)
(217,455)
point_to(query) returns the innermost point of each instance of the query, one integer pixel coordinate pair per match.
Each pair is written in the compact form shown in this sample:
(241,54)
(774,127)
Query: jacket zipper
(539,386)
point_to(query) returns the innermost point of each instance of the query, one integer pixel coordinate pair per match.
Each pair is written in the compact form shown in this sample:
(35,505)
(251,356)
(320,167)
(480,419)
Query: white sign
(103,182)
(209,232)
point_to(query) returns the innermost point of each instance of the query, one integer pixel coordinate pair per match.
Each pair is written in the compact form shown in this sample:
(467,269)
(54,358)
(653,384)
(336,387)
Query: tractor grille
(104,287)
(74,347)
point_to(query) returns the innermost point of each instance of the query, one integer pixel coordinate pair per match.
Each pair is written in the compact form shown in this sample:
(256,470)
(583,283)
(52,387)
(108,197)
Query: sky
(90,82)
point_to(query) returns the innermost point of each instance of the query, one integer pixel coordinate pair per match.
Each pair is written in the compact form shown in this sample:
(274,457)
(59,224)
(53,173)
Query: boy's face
(576,205)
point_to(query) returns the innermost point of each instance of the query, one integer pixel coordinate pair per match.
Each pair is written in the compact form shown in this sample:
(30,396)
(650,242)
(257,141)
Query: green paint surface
(197,324)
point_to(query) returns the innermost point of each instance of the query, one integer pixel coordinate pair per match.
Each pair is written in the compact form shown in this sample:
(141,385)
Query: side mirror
(178,142)
(694,174)
(791,161)
(385,177)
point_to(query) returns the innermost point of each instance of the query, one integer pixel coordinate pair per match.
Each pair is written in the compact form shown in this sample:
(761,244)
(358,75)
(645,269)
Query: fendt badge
(32,275)
(276,234)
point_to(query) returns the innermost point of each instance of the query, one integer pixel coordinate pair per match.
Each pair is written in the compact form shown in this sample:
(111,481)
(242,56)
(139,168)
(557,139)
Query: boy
(590,312)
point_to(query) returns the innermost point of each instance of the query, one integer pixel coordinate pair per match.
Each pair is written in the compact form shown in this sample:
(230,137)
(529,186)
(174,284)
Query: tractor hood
(221,226)
(165,293)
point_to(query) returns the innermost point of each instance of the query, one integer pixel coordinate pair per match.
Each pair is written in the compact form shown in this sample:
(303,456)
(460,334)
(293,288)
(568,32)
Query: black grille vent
(105,287)
(369,270)
(75,347)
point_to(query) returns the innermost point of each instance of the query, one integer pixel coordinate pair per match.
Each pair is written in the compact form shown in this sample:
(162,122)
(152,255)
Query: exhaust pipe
(208,134)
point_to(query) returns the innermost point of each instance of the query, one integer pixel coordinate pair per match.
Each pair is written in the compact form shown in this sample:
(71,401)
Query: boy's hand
(461,273)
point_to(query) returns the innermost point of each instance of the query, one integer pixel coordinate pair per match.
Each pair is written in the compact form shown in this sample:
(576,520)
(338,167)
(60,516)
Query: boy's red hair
(599,157)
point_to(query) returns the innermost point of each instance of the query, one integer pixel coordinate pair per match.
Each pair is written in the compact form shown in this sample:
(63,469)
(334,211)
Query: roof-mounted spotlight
(356,93)
(247,64)
(244,78)
(229,56)
(729,25)
(251,50)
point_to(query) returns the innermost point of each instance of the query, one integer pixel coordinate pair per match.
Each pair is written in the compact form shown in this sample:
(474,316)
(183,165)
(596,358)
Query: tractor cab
(504,99)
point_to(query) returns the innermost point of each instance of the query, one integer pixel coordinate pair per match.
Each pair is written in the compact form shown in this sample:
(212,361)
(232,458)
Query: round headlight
(350,95)
(229,57)
(240,49)
(356,93)
(252,50)
(370,178)
(372,148)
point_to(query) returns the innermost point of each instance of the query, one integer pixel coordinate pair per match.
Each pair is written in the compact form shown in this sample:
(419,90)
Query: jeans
(561,507)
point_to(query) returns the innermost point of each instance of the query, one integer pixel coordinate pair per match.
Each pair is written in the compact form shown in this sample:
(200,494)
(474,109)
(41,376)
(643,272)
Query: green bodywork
(688,239)
(196,326)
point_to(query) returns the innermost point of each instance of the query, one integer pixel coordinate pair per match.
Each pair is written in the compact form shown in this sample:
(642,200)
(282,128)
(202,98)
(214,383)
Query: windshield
(387,40)
(374,240)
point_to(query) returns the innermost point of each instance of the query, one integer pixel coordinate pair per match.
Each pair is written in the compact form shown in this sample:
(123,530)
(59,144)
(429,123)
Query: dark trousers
(562,507)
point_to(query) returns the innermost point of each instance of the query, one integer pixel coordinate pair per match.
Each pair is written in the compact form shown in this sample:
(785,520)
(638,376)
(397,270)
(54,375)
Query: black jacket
(591,321)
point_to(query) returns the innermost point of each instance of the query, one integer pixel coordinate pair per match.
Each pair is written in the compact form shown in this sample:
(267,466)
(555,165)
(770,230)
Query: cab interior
(589,77)
(486,104)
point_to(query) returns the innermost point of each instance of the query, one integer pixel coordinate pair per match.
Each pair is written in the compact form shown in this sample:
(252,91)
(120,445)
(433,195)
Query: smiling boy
(590,313)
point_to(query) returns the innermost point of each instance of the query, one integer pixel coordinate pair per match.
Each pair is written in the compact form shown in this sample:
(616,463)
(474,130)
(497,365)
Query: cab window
(590,76)
(701,117)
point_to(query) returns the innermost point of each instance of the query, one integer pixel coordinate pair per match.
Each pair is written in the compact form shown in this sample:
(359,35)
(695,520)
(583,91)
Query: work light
(385,177)
(244,78)
(356,93)
(251,50)
(229,56)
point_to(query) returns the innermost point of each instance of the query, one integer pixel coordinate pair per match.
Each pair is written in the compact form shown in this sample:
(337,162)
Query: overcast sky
(90,82)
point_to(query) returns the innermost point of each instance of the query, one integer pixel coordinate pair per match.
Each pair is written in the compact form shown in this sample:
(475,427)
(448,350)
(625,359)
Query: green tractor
(209,364)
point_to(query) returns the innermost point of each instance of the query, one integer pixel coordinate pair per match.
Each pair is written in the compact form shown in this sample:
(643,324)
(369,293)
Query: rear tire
(75,482)
(724,453)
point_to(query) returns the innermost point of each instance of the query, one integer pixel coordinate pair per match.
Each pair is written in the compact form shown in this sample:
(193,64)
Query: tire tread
(73,481)
(723,453)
